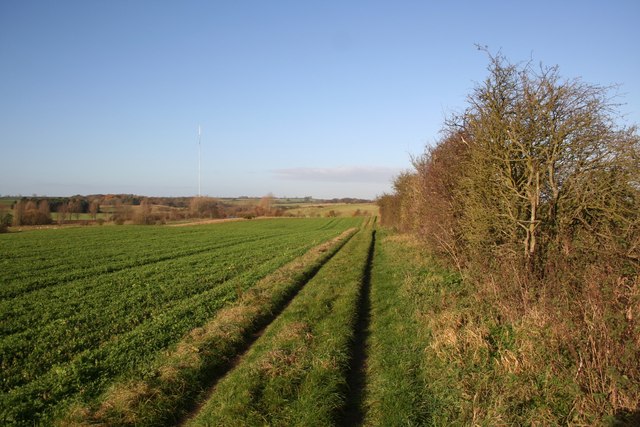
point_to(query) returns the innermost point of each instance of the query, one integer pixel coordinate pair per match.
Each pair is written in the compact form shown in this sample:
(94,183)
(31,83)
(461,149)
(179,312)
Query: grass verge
(395,386)
(442,354)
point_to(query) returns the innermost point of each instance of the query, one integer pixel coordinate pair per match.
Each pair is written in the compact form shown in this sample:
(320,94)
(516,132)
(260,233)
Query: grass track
(395,383)
(296,373)
(356,375)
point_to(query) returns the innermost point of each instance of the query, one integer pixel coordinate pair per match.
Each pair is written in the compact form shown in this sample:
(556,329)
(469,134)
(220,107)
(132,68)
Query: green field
(296,321)
(296,373)
(330,209)
(83,307)
(81,216)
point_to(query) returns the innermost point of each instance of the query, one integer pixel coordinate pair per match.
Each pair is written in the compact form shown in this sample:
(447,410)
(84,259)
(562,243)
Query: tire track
(252,336)
(354,410)
(187,374)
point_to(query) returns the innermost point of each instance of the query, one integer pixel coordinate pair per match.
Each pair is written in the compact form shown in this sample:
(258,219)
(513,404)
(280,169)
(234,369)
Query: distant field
(81,216)
(324,209)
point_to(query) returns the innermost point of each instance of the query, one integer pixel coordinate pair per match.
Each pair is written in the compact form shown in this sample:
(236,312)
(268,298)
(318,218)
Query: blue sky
(327,99)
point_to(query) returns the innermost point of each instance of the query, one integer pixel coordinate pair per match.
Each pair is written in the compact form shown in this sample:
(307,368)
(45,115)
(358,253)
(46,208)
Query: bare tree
(94,208)
(44,212)
(536,141)
(18,212)
(63,213)
(75,207)
(206,207)
(143,215)
(265,206)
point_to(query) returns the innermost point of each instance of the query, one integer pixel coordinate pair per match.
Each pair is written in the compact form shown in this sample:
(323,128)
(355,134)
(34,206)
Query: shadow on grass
(625,417)
(356,377)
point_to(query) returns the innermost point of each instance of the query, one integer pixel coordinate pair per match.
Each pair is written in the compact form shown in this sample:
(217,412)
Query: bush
(6,219)
(206,207)
(533,193)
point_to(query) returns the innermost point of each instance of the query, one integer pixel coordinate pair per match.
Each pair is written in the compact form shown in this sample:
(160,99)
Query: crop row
(76,337)
(163,395)
(53,325)
(180,274)
(296,373)
(56,256)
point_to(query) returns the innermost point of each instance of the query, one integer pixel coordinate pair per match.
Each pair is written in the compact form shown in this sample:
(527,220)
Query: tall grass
(443,353)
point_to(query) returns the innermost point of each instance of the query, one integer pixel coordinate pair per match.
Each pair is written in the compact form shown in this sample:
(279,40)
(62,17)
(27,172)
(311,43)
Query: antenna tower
(199,163)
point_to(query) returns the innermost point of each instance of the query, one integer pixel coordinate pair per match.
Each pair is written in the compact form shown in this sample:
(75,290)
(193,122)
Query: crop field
(305,321)
(298,321)
(84,308)
(330,209)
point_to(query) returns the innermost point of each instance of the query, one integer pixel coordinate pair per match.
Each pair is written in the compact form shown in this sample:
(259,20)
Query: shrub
(533,193)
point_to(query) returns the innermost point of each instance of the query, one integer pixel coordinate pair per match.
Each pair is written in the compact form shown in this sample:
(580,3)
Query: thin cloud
(368,174)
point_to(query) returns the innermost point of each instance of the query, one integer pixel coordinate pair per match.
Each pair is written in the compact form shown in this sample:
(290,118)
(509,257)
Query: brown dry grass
(281,360)
(206,221)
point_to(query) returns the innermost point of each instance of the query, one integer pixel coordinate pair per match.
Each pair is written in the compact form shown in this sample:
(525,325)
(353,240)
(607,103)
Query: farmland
(85,307)
(297,372)
(307,321)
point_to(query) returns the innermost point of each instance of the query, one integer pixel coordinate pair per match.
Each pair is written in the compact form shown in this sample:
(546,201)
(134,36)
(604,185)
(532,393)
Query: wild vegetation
(533,194)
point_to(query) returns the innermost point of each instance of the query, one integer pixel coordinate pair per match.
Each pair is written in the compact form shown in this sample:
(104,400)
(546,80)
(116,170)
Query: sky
(295,98)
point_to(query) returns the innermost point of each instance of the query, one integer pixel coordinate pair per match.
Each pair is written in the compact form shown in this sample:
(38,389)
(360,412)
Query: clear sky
(298,98)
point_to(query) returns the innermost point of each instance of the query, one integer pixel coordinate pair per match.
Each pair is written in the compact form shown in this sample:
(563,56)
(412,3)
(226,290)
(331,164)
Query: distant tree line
(30,212)
(130,208)
(533,193)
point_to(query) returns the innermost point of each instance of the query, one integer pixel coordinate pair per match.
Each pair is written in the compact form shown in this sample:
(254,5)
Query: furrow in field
(49,257)
(296,373)
(56,297)
(99,323)
(58,276)
(110,299)
(206,353)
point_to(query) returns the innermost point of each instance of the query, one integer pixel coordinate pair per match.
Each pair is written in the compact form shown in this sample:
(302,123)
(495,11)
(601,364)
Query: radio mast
(199,163)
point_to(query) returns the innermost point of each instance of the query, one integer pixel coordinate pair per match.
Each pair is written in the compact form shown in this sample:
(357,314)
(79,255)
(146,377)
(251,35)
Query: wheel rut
(354,410)
(252,336)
